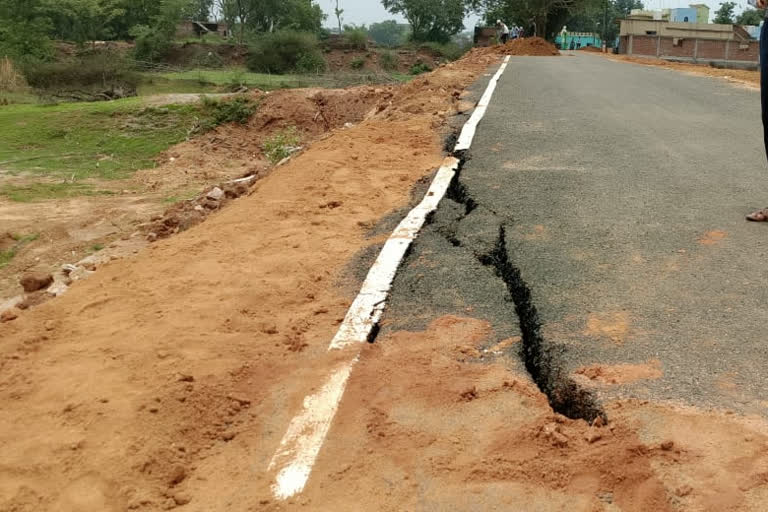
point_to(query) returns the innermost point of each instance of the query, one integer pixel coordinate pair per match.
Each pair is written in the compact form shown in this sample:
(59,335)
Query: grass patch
(218,112)
(44,191)
(24,239)
(197,80)
(96,247)
(107,140)
(6,256)
(281,145)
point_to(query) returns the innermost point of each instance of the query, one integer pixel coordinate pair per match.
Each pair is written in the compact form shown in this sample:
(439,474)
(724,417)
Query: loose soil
(167,378)
(341,60)
(739,76)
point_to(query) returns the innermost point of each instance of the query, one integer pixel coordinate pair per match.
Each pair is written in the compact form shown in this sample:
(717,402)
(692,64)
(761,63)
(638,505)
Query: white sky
(360,12)
(741,5)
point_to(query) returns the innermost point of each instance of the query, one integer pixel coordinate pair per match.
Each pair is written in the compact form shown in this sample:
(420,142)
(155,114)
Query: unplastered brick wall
(708,49)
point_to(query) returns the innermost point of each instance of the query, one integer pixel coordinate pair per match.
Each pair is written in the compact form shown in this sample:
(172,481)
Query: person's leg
(762,215)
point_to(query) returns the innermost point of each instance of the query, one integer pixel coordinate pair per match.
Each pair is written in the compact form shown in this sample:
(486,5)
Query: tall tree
(532,15)
(432,20)
(199,10)
(24,29)
(338,12)
(751,17)
(724,15)
(388,33)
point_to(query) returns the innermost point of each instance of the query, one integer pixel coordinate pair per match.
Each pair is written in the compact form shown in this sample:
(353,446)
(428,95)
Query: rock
(593,435)
(684,490)
(57,288)
(667,445)
(33,282)
(177,475)
(50,325)
(598,422)
(199,208)
(215,194)
(182,498)
(185,378)
(79,273)
(89,266)
(9,315)
(559,439)
(68,268)
(152,237)
(228,436)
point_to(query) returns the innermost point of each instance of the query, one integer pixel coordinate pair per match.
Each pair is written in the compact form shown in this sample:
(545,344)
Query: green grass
(204,80)
(43,191)
(107,140)
(206,39)
(6,256)
(24,239)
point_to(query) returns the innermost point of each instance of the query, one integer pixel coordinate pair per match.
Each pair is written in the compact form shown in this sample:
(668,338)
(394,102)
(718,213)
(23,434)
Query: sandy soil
(169,376)
(738,76)
(167,379)
(430,421)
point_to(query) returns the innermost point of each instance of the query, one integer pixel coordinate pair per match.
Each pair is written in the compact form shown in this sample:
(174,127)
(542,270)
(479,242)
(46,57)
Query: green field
(76,141)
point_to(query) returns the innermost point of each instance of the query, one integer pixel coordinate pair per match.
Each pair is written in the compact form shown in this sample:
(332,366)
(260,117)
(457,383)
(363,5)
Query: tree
(622,8)
(751,17)
(388,33)
(24,29)
(432,20)
(199,10)
(84,20)
(338,12)
(724,15)
(532,15)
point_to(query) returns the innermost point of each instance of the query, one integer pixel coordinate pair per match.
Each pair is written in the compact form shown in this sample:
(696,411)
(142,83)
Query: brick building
(692,42)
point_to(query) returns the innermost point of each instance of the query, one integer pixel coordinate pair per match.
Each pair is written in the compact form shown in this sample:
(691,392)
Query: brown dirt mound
(593,49)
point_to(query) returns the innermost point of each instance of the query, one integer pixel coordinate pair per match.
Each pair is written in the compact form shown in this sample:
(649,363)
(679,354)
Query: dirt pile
(530,46)
(590,49)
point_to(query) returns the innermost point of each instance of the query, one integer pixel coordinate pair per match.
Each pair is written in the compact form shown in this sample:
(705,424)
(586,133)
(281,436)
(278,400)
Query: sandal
(758,216)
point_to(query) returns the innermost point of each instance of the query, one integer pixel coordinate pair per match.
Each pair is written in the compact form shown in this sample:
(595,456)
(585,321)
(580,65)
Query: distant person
(503,31)
(514,32)
(762,215)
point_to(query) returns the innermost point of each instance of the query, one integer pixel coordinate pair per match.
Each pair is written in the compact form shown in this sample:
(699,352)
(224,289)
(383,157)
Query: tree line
(28,26)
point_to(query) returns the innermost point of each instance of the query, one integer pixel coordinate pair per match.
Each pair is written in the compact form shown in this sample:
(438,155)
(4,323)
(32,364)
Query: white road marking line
(306,433)
(468,133)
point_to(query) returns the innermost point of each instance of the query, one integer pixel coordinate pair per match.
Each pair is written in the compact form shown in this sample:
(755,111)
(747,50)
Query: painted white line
(298,450)
(468,132)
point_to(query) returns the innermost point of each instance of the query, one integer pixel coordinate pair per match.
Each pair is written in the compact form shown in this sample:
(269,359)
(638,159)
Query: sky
(741,5)
(360,12)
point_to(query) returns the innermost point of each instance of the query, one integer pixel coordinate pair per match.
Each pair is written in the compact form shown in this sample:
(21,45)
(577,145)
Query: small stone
(186,378)
(153,410)
(667,445)
(228,436)
(89,266)
(161,354)
(33,282)
(177,475)
(68,268)
(559,439)
(9,315)
(152,237)
(684,491)
(199,208)
(57,288)
(50,325)
(593,436)
(181,498)
(215,194)
(598,422)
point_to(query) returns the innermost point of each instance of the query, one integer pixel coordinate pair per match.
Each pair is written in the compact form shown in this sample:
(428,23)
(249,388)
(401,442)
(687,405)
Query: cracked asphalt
(622,190)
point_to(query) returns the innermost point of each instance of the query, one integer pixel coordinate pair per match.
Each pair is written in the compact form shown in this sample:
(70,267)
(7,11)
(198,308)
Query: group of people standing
(505,33)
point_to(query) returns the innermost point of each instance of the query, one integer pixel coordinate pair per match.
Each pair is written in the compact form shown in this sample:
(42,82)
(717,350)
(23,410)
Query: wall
(700,50)
(684,30)
(683,15)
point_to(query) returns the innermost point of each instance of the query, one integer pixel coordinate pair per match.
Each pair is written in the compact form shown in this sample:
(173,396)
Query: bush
(356,38)
(151,45)
(10,79)
(389,61)
(357,63)
(281,145)
(100,71)
(450,51)
(218,112)
(419,67)
(286,51)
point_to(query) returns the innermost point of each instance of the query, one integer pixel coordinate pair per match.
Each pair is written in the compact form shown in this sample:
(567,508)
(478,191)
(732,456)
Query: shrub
(100,71)
(281,145)
(357,63)
(286,51)
(218,112)
(356,38)
(389,61)
(450,51)
(419,67)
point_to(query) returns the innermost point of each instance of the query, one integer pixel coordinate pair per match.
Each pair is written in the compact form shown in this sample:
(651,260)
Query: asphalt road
(622,191)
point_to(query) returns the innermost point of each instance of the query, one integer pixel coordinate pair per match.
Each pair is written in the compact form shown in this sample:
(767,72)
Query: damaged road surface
(581,325)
